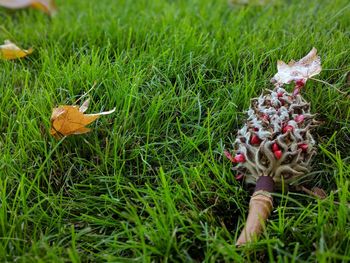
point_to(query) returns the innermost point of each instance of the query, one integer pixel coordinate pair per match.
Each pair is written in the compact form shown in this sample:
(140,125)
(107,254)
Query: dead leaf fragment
(47,6)
(301,70)
(10,51)
(67,120)
(315,191)
(319,192)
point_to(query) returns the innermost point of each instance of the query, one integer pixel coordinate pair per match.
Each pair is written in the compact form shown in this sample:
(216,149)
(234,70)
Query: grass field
(150,183)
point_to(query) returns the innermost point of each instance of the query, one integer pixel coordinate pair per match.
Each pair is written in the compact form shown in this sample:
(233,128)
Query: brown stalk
(260,207)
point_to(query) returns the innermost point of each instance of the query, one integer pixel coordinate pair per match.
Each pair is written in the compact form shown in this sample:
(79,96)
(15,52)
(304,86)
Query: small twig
(3,28)
(9,35)
(86,93)
(260,207)
(324,82)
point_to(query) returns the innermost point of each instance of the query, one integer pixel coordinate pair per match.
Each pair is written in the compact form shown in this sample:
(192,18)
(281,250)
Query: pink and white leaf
(298,71)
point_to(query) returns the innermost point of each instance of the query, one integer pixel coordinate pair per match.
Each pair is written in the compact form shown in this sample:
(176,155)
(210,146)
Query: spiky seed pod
(275,145)
(276,140)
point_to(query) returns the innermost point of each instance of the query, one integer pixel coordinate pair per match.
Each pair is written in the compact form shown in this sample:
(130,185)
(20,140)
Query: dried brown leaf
(67,120)
(10,51)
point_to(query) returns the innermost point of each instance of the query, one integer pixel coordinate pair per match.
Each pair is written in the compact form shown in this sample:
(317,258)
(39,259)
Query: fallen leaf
(301,70)
(67,120)
(10,51)
(319,192)
(315,191)
(47,6)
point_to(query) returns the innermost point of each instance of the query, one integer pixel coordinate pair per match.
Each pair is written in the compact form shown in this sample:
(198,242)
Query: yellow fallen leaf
(10,51)
(67,120)
(47,6)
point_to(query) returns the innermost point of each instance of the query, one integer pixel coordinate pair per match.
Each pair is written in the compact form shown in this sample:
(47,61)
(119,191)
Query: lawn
(150,182)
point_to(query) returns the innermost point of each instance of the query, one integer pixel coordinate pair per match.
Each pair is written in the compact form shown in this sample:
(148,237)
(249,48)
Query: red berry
(303,147)
(265,117)
(287,128)
(278,154)
(280,94)
(299,118)
(275,147)
(255,139)
(256,129)
(299,83)
(239,158)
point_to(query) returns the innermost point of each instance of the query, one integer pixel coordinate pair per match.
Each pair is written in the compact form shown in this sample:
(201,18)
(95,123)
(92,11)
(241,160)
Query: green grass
(150,183)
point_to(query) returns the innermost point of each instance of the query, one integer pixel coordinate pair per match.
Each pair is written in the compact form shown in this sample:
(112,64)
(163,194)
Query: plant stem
(260,207)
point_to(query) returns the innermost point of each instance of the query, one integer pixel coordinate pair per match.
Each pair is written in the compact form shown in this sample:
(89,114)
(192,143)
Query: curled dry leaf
(67,120)
(301,70)
(47,6)
(10,51)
